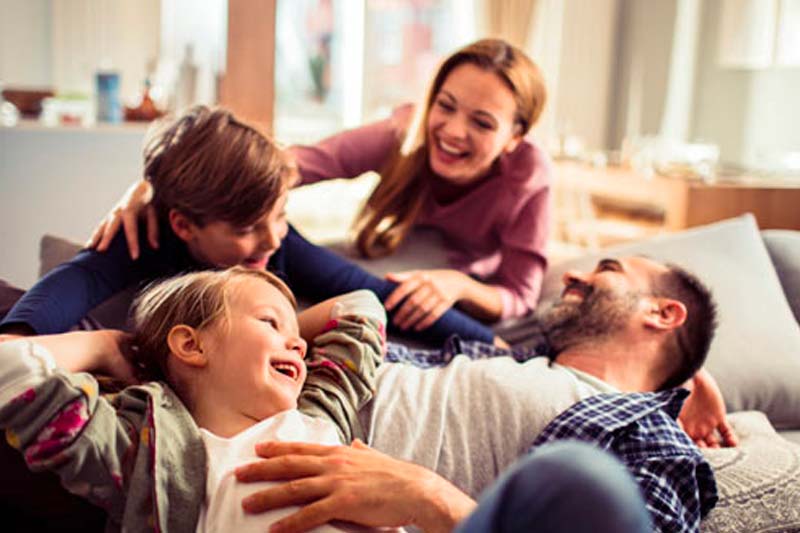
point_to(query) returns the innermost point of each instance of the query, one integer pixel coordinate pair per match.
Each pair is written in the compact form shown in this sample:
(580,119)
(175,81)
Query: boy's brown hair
(211,166)
(197,300)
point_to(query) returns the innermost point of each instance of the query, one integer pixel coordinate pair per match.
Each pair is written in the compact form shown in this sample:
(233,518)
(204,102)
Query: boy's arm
(67,293)
(343,361)
(59,422)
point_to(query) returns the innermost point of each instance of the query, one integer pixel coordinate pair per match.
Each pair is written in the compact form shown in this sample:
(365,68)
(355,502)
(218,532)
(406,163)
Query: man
(630,326)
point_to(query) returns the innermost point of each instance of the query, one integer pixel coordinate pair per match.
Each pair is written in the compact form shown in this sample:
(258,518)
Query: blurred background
(662,114)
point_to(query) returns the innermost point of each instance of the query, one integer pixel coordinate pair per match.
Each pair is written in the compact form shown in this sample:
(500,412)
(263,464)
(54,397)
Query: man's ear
(184,343)
(665,314)
(181,225)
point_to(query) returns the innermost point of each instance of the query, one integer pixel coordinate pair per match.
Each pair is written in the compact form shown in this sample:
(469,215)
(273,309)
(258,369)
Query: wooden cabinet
(685,203)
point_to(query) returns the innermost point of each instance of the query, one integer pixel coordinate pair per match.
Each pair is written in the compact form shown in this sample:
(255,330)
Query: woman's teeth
(450,149)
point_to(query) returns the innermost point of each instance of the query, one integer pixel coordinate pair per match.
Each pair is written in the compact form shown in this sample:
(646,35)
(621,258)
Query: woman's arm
(523,242)
(351,153)
(422,296)
(316,273)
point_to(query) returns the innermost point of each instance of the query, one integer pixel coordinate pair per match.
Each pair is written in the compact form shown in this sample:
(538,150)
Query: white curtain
(508,19)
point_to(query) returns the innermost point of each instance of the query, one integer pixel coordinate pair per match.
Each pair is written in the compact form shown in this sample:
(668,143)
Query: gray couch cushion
(758,481)
(784,250)
(756,353)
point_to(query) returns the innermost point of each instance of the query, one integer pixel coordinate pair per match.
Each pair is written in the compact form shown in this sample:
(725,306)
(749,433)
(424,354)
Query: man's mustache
(582,287)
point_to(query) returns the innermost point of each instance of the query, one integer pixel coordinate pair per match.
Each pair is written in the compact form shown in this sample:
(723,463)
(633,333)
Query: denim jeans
(562,487)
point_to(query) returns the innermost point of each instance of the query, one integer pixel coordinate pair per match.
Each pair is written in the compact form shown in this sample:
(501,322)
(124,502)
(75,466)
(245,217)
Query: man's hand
(352,483)
(9,337)
(425,296)
(134,203)
(703,414)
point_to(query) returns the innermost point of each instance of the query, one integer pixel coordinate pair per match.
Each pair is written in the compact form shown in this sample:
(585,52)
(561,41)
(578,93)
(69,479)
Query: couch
(755,357)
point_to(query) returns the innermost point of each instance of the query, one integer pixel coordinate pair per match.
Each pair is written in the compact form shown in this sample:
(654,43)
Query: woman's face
(470,123)
(222,244)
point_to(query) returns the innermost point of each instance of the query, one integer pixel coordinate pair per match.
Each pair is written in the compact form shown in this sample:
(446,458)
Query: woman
(462,167)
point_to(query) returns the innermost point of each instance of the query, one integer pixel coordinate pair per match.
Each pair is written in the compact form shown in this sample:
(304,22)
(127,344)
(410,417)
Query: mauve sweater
(496,232)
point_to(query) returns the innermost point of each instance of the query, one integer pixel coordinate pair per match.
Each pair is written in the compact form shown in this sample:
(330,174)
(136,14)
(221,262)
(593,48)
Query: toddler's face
(256,357)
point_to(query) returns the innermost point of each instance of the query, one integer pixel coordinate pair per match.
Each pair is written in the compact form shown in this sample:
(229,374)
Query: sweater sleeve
(343,361)
(523,245)
(316,273)
(67,293)
(351,153)
(59,422)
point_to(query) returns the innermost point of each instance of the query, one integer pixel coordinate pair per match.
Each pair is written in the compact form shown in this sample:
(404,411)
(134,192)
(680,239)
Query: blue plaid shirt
(638,428)
(453,346)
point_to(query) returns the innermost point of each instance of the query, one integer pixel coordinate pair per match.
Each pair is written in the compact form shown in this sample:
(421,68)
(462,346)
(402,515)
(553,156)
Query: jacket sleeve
(342,365)
(59,423)
(67,293)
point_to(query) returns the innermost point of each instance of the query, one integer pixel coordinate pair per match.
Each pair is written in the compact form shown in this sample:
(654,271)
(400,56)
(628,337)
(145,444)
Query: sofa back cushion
(784,250)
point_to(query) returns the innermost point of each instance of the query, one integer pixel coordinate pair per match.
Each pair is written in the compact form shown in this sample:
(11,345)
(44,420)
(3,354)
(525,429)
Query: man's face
(600,303)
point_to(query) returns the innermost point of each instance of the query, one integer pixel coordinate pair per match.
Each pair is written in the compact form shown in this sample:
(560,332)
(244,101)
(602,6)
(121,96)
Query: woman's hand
(425,295)
(134,203)
(704,412)
(353,483)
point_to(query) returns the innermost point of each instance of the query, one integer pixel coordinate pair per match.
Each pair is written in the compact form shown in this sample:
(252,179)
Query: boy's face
(221,244)
(255,360)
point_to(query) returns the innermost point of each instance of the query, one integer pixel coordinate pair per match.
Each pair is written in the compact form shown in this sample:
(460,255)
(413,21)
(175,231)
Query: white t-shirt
(470,420)
(223,506)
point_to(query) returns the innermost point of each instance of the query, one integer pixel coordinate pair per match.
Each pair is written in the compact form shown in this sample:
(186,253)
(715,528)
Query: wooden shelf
(686,203)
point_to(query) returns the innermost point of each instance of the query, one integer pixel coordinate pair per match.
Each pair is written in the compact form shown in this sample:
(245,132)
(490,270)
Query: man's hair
(197,300)
(211,166)
(686,349)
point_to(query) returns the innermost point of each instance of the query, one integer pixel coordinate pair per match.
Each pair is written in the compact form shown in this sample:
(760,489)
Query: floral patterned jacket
(138,454)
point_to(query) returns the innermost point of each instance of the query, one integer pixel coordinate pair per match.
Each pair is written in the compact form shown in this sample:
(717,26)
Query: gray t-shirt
(468,421)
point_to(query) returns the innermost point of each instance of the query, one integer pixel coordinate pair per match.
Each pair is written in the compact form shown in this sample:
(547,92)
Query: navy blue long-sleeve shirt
(67,293)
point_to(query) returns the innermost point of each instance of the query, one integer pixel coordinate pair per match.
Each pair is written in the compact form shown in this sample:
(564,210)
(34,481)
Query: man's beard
(599,314)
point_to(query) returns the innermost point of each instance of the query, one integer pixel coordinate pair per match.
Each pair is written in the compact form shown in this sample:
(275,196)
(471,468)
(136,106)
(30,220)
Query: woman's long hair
(394,205)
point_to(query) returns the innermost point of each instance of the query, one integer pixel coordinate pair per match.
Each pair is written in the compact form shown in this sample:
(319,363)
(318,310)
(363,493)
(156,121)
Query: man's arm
(353,483)
(703,415)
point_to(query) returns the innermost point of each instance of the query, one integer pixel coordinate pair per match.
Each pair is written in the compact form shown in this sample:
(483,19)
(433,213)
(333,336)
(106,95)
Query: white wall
(62,43)
(25,33)
(752,114)
(59,181)
(584,76)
